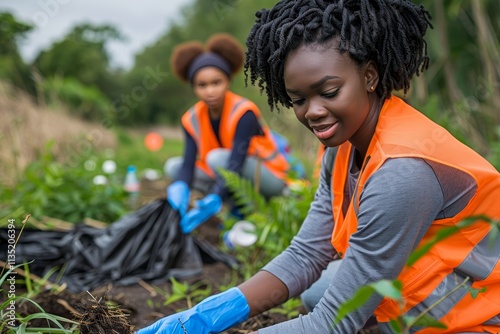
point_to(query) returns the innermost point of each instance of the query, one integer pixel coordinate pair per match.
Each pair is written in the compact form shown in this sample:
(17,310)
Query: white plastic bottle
(132,186)
(242,234)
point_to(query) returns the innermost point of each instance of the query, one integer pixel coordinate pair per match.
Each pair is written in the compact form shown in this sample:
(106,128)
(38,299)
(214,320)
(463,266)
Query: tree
(198,21)
(12,67)
(82,55)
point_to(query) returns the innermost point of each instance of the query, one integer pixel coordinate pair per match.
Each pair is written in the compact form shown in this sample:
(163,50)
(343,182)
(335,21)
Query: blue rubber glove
(178,196)
(203,210)
(213,315)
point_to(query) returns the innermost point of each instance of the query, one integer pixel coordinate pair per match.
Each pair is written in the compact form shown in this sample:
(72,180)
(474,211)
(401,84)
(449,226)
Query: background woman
(222,130)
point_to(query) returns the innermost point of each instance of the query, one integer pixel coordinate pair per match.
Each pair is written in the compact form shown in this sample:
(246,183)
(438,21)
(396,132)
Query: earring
(372,88)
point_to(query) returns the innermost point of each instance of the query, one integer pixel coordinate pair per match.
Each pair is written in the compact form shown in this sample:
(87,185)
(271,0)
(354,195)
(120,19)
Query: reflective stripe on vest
(231,114)
(483,258)
(194,122)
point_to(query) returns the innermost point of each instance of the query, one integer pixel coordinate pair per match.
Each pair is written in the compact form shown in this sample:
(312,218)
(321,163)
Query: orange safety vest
(197,123)
(402,131)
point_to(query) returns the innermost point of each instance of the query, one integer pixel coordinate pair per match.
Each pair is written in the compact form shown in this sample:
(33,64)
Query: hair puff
(228,48)
(222,44)
(183,56)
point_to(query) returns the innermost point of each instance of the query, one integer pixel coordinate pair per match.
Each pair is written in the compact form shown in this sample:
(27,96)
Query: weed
(49,188)
(290,308)
(184,291)
(393,289)
(11,321)
(277,220)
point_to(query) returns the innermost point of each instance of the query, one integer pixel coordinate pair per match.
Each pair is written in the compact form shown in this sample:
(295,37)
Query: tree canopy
(81,55)
(12,67)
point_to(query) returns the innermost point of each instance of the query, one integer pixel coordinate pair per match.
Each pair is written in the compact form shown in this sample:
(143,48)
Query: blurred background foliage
(74,78)
(461,87)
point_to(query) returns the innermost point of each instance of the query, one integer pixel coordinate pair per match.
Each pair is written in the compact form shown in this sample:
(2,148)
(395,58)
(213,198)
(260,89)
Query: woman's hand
(212,315)
(204,208)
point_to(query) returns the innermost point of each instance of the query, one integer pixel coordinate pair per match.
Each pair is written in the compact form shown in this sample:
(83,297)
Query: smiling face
(210,85)
(332,96)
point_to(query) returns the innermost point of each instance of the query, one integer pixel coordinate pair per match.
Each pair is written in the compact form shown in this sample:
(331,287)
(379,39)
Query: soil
(123,309)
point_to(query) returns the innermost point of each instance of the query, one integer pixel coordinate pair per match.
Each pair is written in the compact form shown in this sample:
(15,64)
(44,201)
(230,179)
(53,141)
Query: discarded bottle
(242,234)
(132,186)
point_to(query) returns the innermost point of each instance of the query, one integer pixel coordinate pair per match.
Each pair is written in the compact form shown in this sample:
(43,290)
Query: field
(46,156)
(143,303)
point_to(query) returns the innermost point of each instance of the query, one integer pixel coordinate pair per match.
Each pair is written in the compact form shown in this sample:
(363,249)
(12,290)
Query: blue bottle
(132,186)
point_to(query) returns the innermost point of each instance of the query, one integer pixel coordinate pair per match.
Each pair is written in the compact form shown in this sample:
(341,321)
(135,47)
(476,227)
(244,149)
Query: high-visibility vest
(403,132)
(196,121)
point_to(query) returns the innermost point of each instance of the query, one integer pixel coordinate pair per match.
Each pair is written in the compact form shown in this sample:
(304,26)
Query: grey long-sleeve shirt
(397,206)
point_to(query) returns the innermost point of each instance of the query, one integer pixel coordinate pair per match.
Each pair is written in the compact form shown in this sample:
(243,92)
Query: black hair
(388,32)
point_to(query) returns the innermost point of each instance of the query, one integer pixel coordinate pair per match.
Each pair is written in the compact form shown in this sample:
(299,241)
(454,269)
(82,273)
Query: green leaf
(396,325)
(360,297)
(385,288)
(173,299)
(474,292)
(179,288)
(389,289)
(428,321)
(441,235)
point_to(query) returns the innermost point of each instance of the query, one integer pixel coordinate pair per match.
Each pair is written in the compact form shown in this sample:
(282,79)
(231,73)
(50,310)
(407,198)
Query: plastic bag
(147,244)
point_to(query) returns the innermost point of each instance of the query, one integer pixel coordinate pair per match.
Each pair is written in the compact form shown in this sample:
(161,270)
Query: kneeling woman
(222,130)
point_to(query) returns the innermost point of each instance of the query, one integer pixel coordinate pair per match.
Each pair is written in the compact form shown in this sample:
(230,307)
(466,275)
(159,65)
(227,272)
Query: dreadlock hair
(388,32)
(222,44)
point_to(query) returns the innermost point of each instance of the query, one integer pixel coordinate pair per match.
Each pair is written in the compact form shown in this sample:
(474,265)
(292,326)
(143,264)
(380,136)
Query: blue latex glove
(178,196)
(212,315)
(203,210)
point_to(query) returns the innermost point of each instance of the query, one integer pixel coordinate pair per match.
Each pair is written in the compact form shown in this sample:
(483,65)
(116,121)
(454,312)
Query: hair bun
(222,44)
(228,48)
(183,56)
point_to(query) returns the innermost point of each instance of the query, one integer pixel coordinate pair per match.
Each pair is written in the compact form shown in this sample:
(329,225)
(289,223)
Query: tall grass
(25,128)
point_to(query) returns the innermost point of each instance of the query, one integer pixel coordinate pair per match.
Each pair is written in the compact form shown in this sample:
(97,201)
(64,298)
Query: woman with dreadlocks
(398,181)
(222,130)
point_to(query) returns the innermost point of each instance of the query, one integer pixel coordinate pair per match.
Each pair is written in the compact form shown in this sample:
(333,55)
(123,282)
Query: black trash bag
(147,244)
(44,246)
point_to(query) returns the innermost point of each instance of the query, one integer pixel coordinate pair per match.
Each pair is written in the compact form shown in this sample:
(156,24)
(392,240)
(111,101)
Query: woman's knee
(218,158)
(311,297)
(172,167)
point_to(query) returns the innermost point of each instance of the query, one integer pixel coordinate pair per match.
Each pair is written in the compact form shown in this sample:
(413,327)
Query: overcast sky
(142,22)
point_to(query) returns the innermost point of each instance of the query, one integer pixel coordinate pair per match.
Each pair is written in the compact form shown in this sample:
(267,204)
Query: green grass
(48,188)
(131,150)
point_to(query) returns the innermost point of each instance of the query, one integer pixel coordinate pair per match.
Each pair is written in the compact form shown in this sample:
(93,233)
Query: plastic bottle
(132,186)
(242,234)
